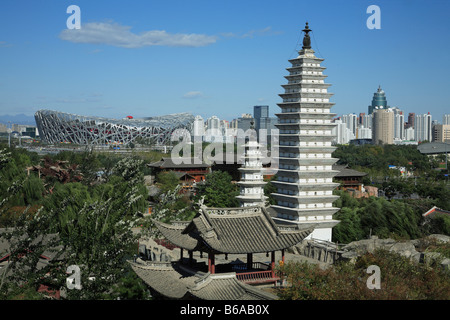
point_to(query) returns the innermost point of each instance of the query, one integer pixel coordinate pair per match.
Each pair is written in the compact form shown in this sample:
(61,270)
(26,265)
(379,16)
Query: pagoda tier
(305,176)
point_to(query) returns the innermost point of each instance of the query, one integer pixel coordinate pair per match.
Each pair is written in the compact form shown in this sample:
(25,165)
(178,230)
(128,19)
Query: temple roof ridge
(225,230)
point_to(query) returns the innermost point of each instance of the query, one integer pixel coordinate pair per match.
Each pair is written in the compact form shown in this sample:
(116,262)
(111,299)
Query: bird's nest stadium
(58,127)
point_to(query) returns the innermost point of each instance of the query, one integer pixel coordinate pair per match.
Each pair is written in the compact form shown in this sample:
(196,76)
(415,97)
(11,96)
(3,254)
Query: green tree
(401,279)
(218,190)
(87,226)
(269,188)
(167,180)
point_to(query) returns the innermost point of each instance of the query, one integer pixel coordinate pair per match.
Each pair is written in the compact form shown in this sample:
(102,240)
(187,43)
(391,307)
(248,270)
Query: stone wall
(331,253)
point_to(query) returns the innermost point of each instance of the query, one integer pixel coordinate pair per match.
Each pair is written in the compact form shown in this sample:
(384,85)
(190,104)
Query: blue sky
(217,57)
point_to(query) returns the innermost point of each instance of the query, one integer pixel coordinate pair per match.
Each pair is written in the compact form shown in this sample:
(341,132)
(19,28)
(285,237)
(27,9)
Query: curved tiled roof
(233,230)
(164,279)
(226,286)
(175,282)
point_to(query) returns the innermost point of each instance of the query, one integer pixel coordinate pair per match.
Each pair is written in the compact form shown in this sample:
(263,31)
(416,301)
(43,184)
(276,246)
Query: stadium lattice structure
(59,127)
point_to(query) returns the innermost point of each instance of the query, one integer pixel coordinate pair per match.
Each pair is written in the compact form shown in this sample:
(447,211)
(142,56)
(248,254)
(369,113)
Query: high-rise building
(260,112)
(341,133)
(423,128)
(213,124)
(305,177)
(263,121)
(198,127)
(409,134)
(441,133)
(367,121)
(245,122)
(361,117)
(399,124)
(383,126)
(378,101)
(446,119)
(411,118)
(351,120)
(364,133)
(213,130)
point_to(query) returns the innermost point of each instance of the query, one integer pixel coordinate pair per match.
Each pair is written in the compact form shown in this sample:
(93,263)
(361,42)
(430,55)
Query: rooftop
(232,230)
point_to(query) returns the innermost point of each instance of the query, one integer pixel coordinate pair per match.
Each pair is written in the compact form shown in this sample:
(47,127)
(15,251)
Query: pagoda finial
(306,38)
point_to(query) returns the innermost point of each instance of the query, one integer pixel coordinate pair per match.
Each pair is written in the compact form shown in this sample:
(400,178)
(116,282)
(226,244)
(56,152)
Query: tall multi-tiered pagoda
(252,180)
(304,179)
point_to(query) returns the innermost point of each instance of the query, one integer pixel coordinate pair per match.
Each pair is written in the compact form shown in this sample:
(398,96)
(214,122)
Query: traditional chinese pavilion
(220,232)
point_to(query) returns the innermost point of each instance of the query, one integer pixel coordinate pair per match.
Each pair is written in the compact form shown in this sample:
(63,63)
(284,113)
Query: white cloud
(118,35)
(193,95)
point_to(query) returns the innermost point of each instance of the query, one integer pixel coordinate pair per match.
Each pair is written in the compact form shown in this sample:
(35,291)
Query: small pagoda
(252,175)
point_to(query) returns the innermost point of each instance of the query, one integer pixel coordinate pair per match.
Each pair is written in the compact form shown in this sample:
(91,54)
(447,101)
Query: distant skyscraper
(411,118)
(262,119)
(351,120)
(378,101)
(213,125)
(409,134)
(360,118)
(341,134)
(213,130)
(446,119)
(399,124)
(260,112)
(364,133)
(441,133)
(245,122)
(383,126)
(367,121)
(423,128)
(198,127)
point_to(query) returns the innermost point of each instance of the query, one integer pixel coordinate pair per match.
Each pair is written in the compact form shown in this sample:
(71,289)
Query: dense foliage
(399,213)
(400,279)
(218,190)
(88,224)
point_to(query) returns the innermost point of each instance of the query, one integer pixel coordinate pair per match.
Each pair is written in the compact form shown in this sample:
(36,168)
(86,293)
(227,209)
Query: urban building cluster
(25,131)
(224,131)
(390,125)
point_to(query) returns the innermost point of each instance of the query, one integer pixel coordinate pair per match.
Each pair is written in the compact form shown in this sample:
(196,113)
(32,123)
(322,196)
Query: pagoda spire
(306,38)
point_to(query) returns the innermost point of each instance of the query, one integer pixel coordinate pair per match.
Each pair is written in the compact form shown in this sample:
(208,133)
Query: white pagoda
(305,177)
(252,178)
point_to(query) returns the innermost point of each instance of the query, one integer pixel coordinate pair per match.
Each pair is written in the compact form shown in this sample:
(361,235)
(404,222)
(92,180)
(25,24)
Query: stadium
(58,127)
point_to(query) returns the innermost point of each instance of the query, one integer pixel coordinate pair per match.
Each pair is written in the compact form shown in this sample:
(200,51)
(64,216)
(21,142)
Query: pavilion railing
(257,276)
(255,266)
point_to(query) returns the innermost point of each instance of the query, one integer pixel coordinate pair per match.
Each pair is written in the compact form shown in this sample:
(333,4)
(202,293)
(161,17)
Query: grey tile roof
(233,230)
(168,163)
(163,278)
(347,172)
(175,282)
(225,286)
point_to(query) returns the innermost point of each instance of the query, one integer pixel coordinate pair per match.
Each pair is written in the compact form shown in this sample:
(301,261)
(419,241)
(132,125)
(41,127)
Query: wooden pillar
(282,255)
(190,257)
(272,264)
(211,262)
(249,261)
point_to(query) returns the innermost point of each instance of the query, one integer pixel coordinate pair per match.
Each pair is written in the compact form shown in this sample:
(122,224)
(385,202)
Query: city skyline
(216,58)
